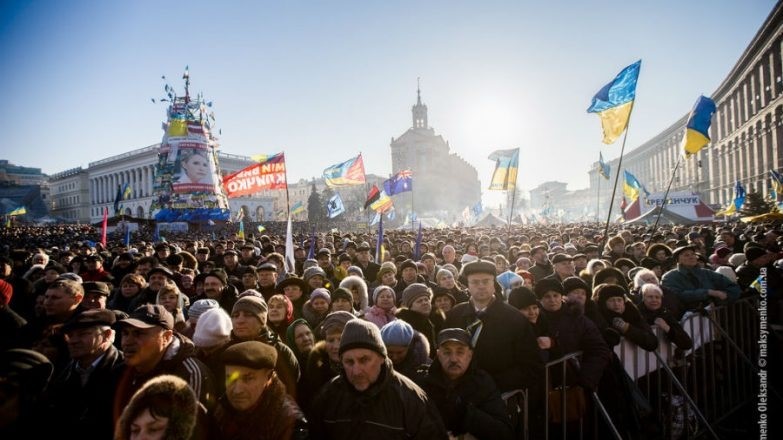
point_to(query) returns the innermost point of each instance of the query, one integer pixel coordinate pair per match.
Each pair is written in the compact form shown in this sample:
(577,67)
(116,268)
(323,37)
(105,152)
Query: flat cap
(251,354)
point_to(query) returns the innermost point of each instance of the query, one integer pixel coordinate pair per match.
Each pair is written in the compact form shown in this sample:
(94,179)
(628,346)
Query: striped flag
(613,103)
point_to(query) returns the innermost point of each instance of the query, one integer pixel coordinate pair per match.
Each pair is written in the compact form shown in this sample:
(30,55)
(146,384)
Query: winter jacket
(391,408)
(691,285)
(87,409)
(676,333)
(573,332)
(380,317)
(180,360)
(638,332)
(471,404)
(506,347)
(275,417)
(318,371)
(429,326)
(541,271)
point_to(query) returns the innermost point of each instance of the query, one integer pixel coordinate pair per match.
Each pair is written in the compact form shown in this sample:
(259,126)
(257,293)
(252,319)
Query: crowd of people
(206,336)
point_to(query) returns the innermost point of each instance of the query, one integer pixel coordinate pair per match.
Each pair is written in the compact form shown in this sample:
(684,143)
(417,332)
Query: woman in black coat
(623,317)
(655,313)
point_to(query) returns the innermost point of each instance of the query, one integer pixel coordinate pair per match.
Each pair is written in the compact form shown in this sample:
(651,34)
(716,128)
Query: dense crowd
(207,335)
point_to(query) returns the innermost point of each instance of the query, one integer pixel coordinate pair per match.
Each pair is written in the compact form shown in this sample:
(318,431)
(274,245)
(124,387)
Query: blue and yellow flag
(127,192)
(241,233)
(506,165)
(21,210)
(614,102)
(350,172)
(777,182)
(297,208)
(631,186)
(603,167)
(697,130)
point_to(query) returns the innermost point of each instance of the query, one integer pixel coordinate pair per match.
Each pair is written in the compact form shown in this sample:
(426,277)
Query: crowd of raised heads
(206,335)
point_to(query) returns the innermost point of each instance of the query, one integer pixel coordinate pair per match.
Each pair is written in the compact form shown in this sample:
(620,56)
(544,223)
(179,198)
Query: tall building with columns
(83,194)
(746,131)
(443,182)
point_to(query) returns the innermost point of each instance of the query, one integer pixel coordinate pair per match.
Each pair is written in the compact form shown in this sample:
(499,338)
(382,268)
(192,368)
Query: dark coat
(318,371)
(638,332)
(181,363)
(506,347)
(427,326)
(418,356)
(391,408)
(87,409)
(573,332)
(676,333)
(275,417)
(541,271)
(471,404)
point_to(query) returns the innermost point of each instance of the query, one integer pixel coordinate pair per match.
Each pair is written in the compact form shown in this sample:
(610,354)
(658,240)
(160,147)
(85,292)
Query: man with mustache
(466,396)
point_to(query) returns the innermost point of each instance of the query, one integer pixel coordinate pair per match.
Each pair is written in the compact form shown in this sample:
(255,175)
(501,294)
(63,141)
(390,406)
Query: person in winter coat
(407,348)
(383,310)
(165,407)
(694,285)
(255,405)
(323,362)
(570,332)
(524,300)
(655,313)
(301,340)
(126,297)
(294,289)
(624,318)
(316,308)
(249,321)
(358,289)
(152,349)
(466,397)
(369,399)
(417,311)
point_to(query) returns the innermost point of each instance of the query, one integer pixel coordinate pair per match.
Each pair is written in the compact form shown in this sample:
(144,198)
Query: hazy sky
(325,80)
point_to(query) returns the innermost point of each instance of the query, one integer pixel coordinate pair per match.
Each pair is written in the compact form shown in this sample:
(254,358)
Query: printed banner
(269,174)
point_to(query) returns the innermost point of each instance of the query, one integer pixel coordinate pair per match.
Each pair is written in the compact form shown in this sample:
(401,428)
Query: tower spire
(419,110)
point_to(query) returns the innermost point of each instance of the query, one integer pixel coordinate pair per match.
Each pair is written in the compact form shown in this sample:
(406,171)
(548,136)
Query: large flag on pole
(334,206)
(400,182)
(267,174)
(290,267)
(736,204)
(506,164)
(350,172)
(603,167)
(613,103)
(631,186)
(697,130)
(21,210)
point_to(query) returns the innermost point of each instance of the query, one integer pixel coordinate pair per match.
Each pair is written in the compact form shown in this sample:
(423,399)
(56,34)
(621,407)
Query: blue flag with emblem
(334,206)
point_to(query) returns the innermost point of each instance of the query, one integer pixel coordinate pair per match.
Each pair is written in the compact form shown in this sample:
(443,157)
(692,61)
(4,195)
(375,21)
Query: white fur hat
(213,328)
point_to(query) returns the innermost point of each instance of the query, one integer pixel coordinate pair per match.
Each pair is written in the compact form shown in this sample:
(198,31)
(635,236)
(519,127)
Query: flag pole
(511,213)
(413,227)
(666,195)
(616,179)
(287,199)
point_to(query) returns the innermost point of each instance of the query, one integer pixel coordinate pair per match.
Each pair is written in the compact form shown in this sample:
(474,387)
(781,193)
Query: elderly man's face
(362,367)
(213,287)
(245,386)
(454,358)
(57,302)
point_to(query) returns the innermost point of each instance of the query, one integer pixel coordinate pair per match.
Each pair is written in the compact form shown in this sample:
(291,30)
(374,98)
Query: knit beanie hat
(442,291)
(548,285)
(313,271)
(378,291)
(737,260)
(321,293)
(213,328)
(521,297)
(610,291)
(250,304)
(728,272)
(359,333)
(414,292)
(387,267)
(573,283)
(355,270)
(199,307)
(397,332)
(335,320)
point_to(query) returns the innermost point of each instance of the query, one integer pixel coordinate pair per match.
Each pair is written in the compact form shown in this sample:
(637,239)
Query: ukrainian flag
(18,211)
(631,186)
(506,165)
(697,131)
(614,102)
(777,182)
(297,208)
(127,192)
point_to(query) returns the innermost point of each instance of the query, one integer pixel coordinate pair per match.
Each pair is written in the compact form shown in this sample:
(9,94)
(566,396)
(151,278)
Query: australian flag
(401,182)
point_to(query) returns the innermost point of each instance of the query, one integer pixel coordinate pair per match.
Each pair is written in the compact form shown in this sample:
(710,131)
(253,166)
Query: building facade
(746,132)
(444,182)
(83,194)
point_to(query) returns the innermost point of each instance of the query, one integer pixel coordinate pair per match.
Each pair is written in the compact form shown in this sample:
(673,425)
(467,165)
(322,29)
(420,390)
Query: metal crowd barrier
(690,391)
